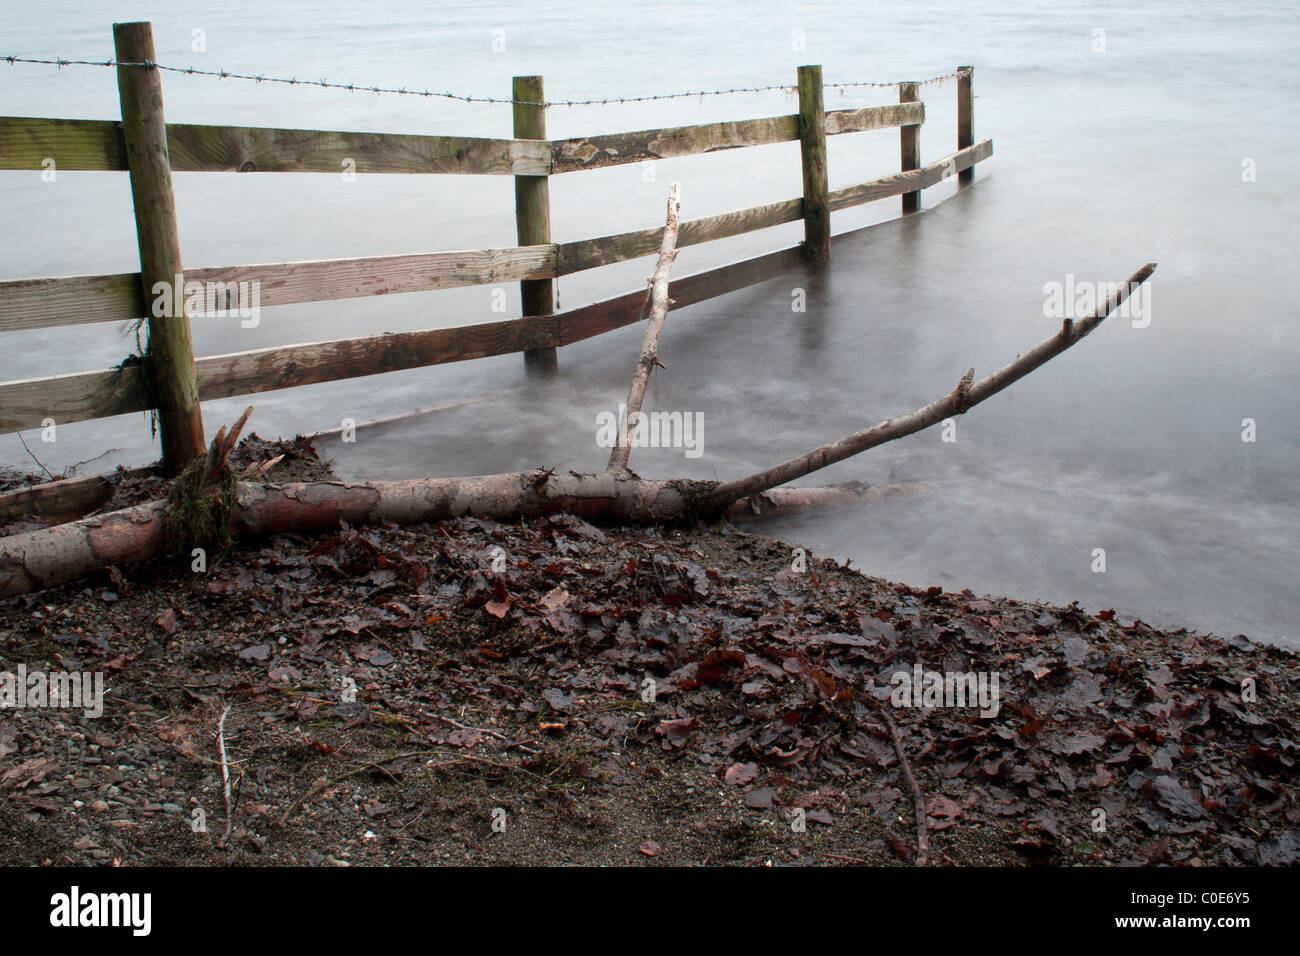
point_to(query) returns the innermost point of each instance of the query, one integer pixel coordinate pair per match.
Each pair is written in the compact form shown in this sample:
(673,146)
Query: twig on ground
(225,779)
(922,837)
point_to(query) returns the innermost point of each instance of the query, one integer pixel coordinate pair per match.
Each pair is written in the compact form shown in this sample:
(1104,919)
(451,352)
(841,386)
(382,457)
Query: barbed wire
(443,94)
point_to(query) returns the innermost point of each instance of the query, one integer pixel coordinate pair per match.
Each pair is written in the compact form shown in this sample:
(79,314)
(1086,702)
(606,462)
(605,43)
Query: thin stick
(918,800)
(225,779)
(491,733)
(649,357)
(33,457)
(966,395)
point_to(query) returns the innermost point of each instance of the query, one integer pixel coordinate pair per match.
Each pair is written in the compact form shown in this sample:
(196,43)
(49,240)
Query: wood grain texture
(922,178)
(266,150)
(263,370)
(627,309)
(591,253)
(97,145)
(614,149)
(69,300)
(874,117)
(321,280)
(26,142)
(81,300)
(71,398)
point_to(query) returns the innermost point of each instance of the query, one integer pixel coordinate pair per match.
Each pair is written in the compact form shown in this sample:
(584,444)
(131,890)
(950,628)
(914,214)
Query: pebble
(99,806)
(172,808)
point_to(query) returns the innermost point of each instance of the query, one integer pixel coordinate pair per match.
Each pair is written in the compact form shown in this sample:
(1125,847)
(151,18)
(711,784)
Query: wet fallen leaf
(739,774)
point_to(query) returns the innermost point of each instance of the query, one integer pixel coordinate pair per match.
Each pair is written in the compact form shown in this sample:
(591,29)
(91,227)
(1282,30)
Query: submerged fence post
(812,147)
(533,214)
(169,358)
(965,118)
(909,143)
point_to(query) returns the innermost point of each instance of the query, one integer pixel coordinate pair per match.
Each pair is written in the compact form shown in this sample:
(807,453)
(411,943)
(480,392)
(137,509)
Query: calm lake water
(1105,159)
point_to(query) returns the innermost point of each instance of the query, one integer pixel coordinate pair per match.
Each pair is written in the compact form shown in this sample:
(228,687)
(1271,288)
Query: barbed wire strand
(443,94)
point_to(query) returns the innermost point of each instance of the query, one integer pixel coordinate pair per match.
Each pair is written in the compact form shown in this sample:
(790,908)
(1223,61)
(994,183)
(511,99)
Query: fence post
(169,359)
(965,118)
(533,214)
(812,147)
(909,143)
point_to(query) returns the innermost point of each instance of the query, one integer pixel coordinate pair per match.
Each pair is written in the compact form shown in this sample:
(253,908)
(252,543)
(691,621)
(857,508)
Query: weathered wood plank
(81,300)
(76,397)
(26,142)
(75,144)
(590,320)
(874,117)
(591,253)
(614,149)
(264,370)
(266,150)
(64,500)
(322,280)
(69,300)
(922,178)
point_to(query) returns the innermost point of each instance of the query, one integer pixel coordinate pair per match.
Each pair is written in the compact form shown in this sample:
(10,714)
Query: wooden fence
(170,379)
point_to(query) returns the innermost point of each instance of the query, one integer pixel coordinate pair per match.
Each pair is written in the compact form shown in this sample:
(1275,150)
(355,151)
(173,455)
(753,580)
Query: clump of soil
(553,692)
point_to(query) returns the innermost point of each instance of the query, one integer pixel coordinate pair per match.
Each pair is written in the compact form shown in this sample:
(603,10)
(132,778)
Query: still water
(1123,134)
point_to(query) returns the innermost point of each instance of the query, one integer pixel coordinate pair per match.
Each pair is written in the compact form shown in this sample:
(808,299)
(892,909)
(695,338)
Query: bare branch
(965,396)
(649,357)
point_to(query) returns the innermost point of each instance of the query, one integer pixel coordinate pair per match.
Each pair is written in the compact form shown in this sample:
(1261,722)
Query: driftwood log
(40,559)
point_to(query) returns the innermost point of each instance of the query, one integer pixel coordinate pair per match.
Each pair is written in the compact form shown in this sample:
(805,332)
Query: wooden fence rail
(27,143)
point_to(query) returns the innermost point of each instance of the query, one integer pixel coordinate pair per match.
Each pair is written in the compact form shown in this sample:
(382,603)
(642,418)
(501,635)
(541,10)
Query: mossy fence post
(812,148)
(533,214)
(169,358)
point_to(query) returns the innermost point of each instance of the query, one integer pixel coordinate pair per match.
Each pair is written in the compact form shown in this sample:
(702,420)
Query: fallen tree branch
(51,556)
(649,357)
(965,396)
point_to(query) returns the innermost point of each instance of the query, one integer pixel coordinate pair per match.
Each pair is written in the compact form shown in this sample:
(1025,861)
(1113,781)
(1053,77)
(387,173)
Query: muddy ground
(550,692)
